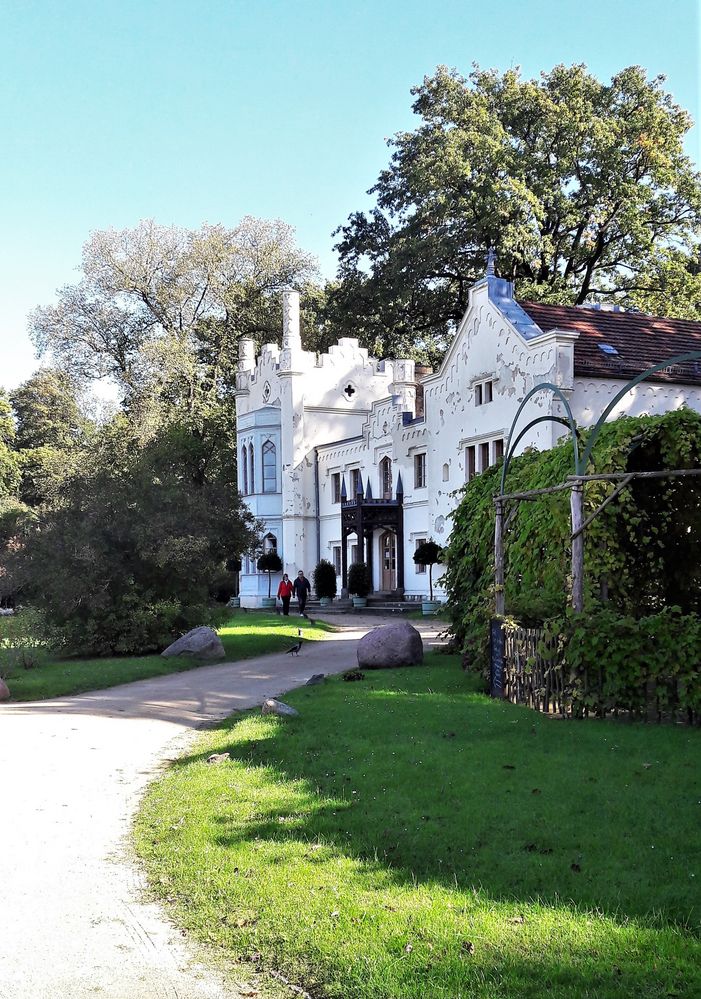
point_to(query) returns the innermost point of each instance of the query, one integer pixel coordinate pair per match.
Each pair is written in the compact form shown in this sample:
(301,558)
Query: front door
(388,560)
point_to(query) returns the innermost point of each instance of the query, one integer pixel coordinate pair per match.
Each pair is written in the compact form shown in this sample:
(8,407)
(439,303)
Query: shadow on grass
(434,784)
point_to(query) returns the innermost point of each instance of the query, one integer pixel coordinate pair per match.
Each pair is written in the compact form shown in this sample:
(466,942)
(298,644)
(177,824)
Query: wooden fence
(533,673)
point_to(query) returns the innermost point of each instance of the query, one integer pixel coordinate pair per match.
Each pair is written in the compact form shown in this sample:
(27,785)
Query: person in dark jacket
(284,592)
(302,590)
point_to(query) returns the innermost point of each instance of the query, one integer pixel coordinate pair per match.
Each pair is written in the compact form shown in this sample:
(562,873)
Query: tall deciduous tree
(580,186)
(157,301)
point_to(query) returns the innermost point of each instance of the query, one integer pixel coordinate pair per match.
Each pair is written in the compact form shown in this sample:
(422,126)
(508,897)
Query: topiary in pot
(359,579)
(324,577)
(270,563)
(429,553)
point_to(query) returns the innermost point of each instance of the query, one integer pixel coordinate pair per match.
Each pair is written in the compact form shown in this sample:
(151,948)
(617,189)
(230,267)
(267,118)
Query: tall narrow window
(478,395)
(488,393)
(484,456)
(470,464)
(244,470)
(337,560)
(269,469)
(336,487)
(498,448)
(419,471)
(386,478)
(419,567)
(355,483)
(251,472)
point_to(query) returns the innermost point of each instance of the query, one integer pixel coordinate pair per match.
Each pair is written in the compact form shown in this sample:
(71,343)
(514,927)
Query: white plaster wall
(592,395)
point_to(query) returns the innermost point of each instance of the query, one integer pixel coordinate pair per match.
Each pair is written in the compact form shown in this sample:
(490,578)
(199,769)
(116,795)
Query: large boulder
(396,644)
(200,643)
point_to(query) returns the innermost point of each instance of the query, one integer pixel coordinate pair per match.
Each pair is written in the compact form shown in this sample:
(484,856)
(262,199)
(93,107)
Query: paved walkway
(73,923)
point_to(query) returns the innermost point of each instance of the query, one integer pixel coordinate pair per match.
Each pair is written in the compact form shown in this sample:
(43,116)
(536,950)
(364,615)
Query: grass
(408,837)
(244,635)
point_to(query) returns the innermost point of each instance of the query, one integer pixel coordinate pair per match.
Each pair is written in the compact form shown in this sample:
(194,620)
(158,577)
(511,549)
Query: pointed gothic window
(244,471)
(386,478)
(251,474)
(269,469)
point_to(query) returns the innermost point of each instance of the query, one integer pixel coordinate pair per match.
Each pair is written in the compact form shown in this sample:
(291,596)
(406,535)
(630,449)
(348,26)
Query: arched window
(251,476)
(269,468)
(244,470)
(386,478)
(269,543)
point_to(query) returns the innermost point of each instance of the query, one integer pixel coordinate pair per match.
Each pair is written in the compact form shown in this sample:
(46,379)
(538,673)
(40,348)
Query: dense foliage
(642,553)
(324,578)
(582,187)
(124,556)
(647,666)
(359,582)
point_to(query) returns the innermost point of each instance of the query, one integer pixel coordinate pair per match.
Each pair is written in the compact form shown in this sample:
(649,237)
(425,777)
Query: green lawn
(244,635)
(408,837)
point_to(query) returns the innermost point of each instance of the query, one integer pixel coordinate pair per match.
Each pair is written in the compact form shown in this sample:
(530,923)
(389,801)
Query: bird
(295,649)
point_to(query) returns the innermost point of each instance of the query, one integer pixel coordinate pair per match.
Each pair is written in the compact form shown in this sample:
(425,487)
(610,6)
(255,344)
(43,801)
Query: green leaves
(642,553)
(582,187)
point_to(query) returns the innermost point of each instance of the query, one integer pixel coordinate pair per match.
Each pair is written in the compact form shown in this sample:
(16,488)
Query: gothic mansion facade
(345,457)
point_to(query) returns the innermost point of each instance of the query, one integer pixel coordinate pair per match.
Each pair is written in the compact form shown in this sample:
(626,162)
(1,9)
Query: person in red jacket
(284,592)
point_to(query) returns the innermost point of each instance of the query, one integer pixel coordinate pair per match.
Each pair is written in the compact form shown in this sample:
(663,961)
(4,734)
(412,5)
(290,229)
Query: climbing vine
(642,553)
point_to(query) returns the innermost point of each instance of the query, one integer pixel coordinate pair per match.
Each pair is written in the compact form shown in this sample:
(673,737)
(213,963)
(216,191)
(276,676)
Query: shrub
(25,641)
(429,553)
(359,582)
(325,579)
(637,665)
(269,562)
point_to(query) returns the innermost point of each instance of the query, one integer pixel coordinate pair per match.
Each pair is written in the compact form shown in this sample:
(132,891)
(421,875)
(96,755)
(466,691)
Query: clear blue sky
(185,111)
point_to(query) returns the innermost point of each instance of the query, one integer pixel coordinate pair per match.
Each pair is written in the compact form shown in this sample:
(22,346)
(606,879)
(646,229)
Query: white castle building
(348,458)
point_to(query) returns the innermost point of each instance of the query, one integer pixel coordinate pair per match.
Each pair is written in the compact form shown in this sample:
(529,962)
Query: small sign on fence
(496,644)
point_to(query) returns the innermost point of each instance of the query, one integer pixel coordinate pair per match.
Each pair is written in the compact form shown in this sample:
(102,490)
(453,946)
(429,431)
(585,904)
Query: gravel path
(73,922)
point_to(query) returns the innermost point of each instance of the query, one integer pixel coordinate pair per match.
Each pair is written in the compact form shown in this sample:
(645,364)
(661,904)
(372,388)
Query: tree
(124,556)
(428,553)
(164,307)
(269,562)
(10,469)
(577,184)
(48,412)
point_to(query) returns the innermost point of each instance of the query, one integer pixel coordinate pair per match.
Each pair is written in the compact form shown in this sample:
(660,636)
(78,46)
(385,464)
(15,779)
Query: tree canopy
(582,188)
(164,306)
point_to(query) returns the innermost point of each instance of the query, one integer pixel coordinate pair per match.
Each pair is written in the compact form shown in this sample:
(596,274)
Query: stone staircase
(378,603)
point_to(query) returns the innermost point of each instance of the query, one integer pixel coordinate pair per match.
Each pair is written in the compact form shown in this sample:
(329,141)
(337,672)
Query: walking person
(302,590)
(284,592)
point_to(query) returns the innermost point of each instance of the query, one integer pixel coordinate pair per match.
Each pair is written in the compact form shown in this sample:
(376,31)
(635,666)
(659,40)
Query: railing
(533,674)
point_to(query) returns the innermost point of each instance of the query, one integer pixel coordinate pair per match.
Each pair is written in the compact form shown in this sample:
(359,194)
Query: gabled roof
(638,341)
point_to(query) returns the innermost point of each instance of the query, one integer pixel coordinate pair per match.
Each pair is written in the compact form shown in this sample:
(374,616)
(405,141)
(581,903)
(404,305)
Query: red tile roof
(641,341)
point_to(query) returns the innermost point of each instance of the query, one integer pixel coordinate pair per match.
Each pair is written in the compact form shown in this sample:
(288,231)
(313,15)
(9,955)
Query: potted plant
(429,553)
(269,562)
(234,566)
(359,583)
(324,577)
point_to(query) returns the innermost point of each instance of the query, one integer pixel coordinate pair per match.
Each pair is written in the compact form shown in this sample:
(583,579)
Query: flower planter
(325,601)
(234,602)
(430,607)
(268,602)
(360,601)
